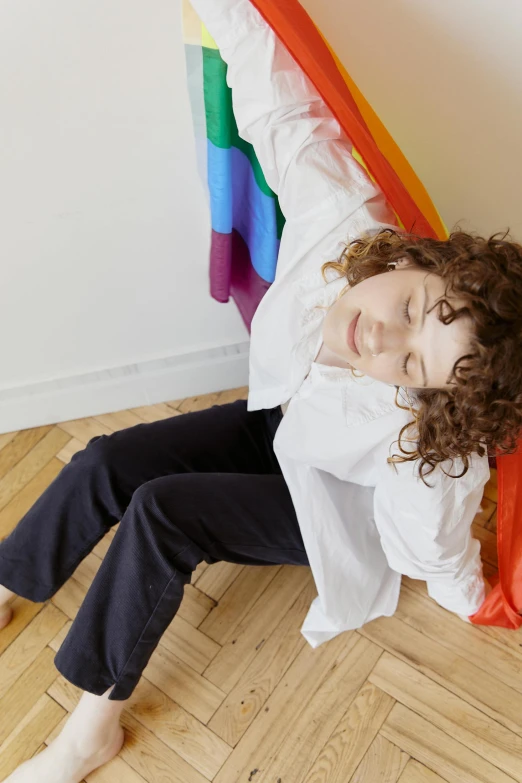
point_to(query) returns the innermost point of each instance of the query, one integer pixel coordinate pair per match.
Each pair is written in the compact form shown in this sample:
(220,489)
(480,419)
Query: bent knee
(172,493)
(101,451)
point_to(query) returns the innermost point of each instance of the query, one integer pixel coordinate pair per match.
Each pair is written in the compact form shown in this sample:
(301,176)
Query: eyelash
(407,316)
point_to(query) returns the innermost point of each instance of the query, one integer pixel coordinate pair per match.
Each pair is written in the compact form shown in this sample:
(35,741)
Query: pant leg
(93,491)
(171,525)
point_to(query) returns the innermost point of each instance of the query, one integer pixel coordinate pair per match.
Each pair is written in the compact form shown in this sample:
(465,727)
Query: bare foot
(6,615)
(64,762)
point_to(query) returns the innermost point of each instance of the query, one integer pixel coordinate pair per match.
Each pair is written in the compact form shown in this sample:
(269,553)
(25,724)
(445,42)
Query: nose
(380,340)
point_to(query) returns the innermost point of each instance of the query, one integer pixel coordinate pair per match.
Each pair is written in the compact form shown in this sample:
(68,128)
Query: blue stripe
(237,202)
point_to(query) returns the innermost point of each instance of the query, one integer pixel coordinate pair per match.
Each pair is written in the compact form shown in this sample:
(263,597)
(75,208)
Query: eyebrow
(423,368)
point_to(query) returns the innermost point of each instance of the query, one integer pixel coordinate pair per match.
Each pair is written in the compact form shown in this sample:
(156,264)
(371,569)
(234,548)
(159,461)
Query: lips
(351,334)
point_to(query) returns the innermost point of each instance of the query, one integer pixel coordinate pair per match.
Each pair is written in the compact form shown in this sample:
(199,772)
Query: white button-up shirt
(364,522)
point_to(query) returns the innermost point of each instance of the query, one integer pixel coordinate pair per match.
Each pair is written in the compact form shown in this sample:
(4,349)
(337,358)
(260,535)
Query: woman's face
(395,324)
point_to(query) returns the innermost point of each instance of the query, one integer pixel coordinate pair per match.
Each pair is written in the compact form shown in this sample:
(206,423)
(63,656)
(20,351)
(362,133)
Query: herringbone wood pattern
(235,693)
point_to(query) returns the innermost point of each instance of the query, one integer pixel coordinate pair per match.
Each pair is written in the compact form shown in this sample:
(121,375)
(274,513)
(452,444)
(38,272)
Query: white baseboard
(146,383)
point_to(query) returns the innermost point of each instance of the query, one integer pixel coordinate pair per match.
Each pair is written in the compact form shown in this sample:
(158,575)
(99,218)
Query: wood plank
(195,606)
(70,597)
(491,488)
(189,689)
(462,638)
(24,612)
(17,447)
(383,763)
(488,544)
(56,641)
(20,504)
(503,636)
(30,465)
(489,571)
(84,429)
(458,675)
(488,508)
(218,578)
(337,755)
(142,751)
(152,759)
(189,644)
(119,420)
(418,773)
(203,401)
(250,586)
(249,696)
(7,437)
(23,695)
(199,571)
(454,716)
(191,404)
(320,682)
(71,448)
(178,729)
(23,742)
(231,395)
(438,751)
(492,523)
(267,598)
(28,645)
(158,412)
(116,771)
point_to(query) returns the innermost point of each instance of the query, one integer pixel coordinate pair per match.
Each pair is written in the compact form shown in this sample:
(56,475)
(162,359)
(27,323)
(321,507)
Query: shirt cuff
(463,598)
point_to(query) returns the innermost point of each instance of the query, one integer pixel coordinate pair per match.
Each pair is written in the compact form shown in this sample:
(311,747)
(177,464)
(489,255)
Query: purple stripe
(237,202)
(232,274)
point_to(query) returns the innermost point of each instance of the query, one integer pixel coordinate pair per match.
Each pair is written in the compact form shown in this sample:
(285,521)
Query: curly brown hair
(483,410)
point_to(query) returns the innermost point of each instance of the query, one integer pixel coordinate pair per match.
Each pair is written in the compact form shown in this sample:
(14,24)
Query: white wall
(105,232)
(104,241)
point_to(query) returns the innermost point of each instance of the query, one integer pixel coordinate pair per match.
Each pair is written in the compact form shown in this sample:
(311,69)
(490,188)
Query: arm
(302,150)
(426,533)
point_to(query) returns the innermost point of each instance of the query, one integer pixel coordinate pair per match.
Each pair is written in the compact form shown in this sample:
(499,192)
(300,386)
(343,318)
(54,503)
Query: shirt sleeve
(426,532)
(304,154)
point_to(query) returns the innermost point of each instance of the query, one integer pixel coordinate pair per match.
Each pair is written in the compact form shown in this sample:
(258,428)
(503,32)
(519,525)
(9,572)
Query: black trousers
(199,486)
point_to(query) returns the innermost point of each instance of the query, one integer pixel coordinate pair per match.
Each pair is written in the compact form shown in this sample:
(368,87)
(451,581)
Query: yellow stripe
(358,157)
(206,38)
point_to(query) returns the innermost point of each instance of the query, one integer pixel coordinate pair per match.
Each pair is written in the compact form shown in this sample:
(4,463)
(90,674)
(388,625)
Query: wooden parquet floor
(235,693)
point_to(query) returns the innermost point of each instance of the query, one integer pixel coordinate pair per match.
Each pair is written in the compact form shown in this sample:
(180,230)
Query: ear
(402,262)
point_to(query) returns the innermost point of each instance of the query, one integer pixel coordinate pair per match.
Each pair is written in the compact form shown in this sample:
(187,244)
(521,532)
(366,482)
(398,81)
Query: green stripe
(221,123)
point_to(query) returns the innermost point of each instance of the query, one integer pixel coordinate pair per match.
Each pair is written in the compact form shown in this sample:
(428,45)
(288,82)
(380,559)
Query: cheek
(381,370)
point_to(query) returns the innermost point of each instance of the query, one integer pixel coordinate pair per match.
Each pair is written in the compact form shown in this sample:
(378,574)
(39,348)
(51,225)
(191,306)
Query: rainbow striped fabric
(246,218)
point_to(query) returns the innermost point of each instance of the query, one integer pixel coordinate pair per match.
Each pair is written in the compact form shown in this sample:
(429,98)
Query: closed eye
(407,316)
